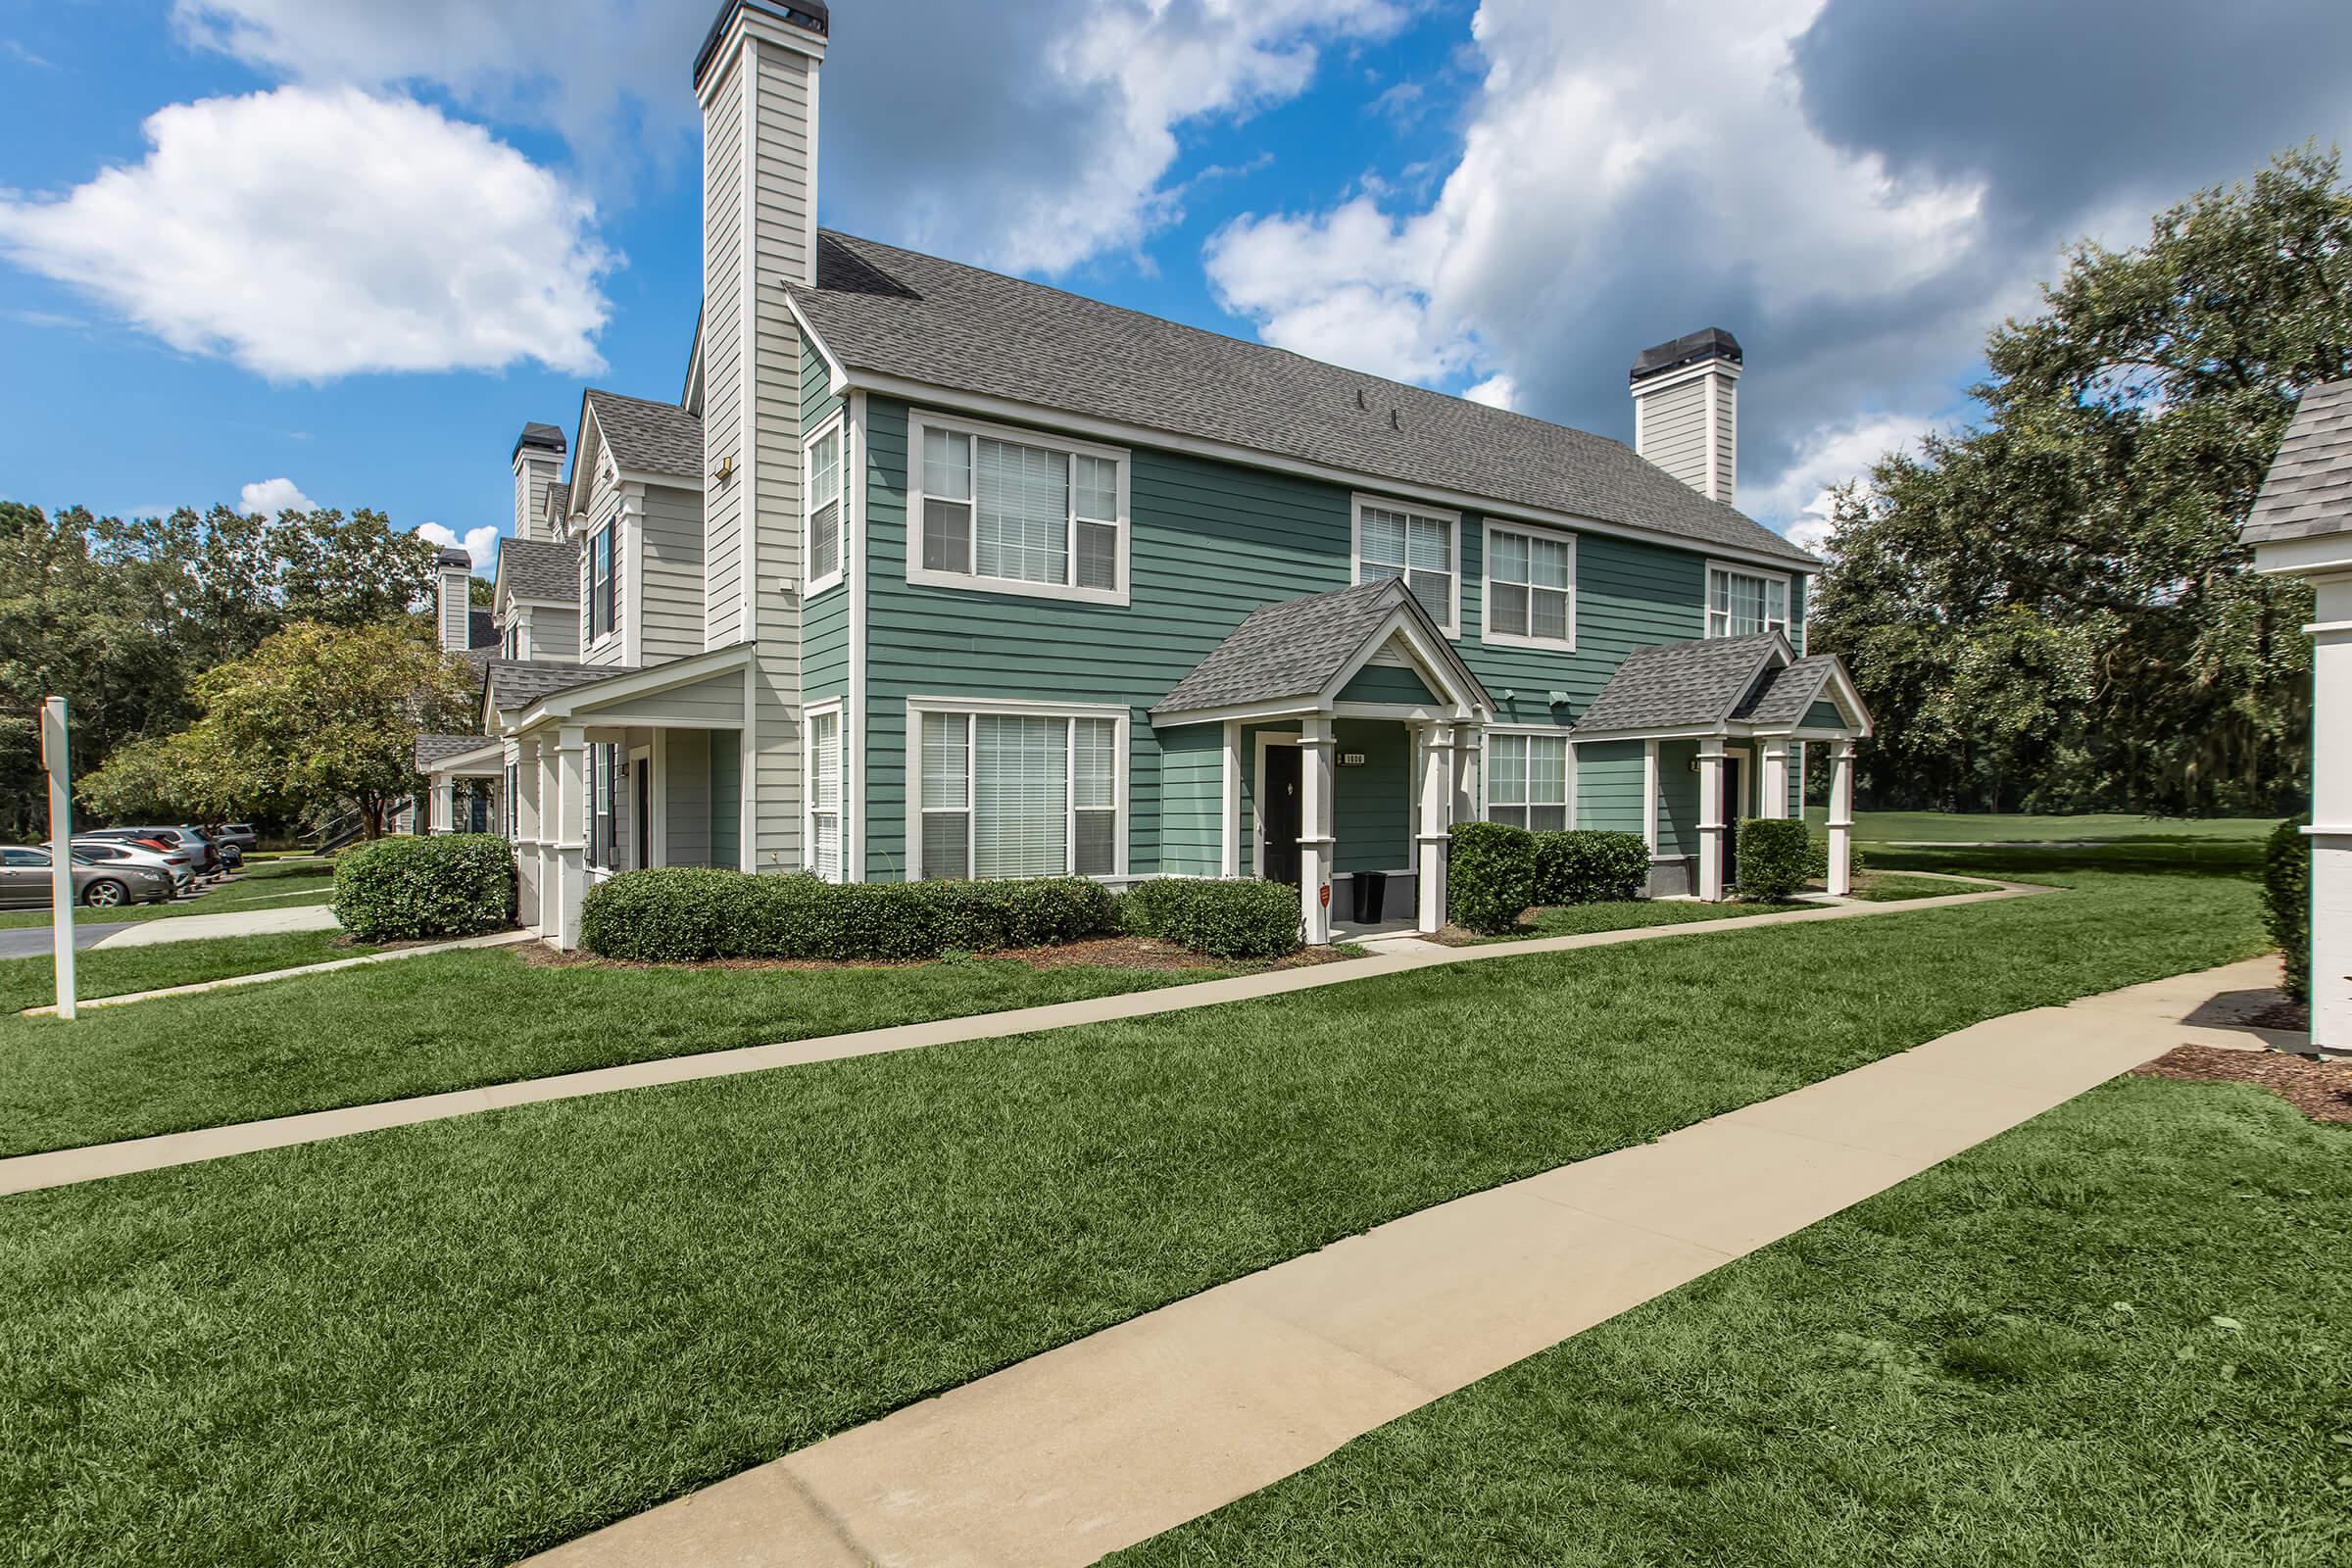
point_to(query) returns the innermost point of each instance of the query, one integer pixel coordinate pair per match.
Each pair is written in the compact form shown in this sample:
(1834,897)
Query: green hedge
(1248,918)
(687,914)
(1816,861)
(2286,902)
(456,884)
(1590,866)
(1490,876)
(1776,857)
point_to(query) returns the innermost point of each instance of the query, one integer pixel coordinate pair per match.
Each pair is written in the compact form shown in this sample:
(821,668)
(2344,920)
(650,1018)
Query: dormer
(635,503)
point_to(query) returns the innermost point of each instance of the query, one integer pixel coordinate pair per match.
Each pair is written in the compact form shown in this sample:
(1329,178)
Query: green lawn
(263,887)
(114,971)
(1950,827)
(1894,887)
(462,1341)
(2113,1336)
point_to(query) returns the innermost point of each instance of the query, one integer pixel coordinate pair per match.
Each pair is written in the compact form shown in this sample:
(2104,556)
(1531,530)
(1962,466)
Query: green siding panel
(1608,786)
(1371,800)
(824,617)
(727,797)
(1678,797)
(1824,714)
(1191,791)
(1387,683)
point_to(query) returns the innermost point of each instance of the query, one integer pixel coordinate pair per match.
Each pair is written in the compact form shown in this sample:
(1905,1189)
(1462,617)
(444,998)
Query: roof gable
(642,436)
(1306,649)
(542,571)
(2308,488)
(939,323)
(1688,683)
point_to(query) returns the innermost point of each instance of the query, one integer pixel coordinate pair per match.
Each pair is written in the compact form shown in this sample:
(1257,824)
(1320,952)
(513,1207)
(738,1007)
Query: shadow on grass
(2152,855)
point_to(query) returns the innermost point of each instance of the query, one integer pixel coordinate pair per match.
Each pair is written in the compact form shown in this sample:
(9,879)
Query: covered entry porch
(1342,729)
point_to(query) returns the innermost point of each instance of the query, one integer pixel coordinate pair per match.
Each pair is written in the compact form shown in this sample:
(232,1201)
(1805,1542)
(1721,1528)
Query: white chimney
(538,468)
(1687,410)
(453,581)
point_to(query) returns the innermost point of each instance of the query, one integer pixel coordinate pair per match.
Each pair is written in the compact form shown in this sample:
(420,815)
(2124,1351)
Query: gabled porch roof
(1295,656)
(1752,685)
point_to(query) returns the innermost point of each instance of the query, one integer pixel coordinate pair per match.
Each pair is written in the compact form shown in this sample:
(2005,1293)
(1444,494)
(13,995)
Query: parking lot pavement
(29,942)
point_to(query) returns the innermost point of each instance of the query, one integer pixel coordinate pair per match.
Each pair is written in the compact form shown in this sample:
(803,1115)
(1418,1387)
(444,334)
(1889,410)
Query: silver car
(102,885)
(175,863)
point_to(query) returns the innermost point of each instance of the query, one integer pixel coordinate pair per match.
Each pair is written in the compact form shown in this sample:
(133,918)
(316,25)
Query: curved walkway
(1112,1438)
(63,1167)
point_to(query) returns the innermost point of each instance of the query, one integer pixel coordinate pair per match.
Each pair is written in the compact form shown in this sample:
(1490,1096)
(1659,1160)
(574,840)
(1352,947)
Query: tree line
(2050,610)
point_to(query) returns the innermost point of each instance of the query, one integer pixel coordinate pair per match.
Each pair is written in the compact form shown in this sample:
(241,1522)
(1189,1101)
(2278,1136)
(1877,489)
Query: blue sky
(360,245)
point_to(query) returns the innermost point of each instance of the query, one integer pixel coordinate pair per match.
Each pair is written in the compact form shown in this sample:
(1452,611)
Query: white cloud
(1496,392)
(1835,454)
(479,543)
(311,233)
(266,498)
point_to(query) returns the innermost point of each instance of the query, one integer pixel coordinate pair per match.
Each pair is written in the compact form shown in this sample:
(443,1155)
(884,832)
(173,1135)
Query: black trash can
(1371,896)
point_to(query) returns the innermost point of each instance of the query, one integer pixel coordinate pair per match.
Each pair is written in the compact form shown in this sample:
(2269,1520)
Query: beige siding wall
(686,788)
(536,472)
(1727,438)
(717,701)
(554,634)
(1674,432)
(723,222)
(604,508)
(670,573)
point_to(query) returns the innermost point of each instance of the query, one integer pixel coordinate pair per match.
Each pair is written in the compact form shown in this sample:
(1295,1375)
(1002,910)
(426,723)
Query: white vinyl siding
(1423,548)
(1010,512)
(1531,588)
(1019,794)
(1527,781)
(1740,604)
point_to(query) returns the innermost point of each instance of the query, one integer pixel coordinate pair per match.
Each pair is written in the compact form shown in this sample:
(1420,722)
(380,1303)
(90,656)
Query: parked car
(25,881)
(176,862)
(241,834)
(206,860)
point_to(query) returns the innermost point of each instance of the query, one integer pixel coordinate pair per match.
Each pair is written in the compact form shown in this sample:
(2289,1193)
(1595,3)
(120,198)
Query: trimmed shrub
(1776,856)
(1816,861)
(687,914)
(397,890)
(2286,902)
(1244,919)
(1590,866)
(1490,876)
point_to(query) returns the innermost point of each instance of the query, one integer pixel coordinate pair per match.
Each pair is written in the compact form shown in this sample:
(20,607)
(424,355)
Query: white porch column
(1317,788)
(1437,811)
(444,818)
(1773,795)
(571,837)
(1711,825)
(1842,818)
(551,831)
(2330,829)
(1468,739)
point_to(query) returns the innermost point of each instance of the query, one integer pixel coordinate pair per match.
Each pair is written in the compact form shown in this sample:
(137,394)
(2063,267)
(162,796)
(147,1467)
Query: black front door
(1730,815)
(1278,794)
(645,814)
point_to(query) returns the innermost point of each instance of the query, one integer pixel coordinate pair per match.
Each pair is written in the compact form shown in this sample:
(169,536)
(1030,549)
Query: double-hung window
(1018,794)
(824,793)
(1420,547)
(827,514)
(1740,604)
(513,801)
(600,582)
(604,800)
(1531,588)
(1011,511)
(1527,780)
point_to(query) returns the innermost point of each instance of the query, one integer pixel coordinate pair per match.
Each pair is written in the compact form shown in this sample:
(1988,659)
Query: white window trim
(836,424)
(1121,766)
(1706,608)
(595,641)
(841,824)
(1486,771)
(920,420)
(1486,591)
(1452,626)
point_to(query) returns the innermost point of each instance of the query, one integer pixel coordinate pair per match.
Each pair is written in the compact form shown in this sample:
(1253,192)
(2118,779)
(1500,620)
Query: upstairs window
(1418,547)
(1527,781)
(827,516)
(1740,604)
(600,582)
(1018,795)
(1531,588)
(1010,512)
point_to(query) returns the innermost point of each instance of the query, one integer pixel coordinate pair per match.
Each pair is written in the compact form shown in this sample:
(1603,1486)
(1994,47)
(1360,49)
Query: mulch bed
(2320,1090)
(1101,953)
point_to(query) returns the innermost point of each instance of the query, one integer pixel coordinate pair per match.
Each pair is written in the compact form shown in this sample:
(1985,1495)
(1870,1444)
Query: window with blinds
(824,796)
(600,582)
(1391,542)
(1740,604)
(604,804)
(1018,795)
(826,516)
(1531,587)
(1527,781)
(1018,515)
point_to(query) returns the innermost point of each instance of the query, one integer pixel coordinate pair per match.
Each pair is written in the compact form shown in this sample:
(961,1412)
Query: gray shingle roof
(1295,649)
(431,748)
(649,437)
(897,313)
(1673,684)
(2310,485)
(1787,693)
(547,569)
(481,629)
(516,683)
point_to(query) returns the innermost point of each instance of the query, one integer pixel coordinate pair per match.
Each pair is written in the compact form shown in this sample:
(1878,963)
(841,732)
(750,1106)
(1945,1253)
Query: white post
(1467,740)
(571,833)
(1316,786)
(55,757)
(551,832)
(2330,830)
(1775,790)
(1711,826)
(1437,805)
(1841,819)
(444,817)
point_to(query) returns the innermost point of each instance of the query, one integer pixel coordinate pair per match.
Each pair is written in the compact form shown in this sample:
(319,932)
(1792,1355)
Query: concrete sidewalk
(1113,1438)
(66,1166)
